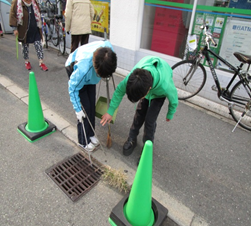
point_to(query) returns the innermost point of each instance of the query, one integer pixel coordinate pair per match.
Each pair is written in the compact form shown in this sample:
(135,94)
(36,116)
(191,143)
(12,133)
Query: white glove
(80,115)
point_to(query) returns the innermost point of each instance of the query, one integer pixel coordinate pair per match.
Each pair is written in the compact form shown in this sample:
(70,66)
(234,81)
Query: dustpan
(101,108)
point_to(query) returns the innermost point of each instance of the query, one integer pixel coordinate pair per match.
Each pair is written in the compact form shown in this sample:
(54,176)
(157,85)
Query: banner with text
(237,38)
(101,16)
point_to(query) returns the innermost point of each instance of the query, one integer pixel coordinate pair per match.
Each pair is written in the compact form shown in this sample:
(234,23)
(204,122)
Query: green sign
(216,24)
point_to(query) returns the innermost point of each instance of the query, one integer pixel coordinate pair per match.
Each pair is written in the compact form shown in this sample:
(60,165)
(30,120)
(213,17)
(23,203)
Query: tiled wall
(126,58)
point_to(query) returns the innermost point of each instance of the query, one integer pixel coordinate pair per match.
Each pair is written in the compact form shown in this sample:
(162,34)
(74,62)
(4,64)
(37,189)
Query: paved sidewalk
(28,196)
(51,150)
(201,170)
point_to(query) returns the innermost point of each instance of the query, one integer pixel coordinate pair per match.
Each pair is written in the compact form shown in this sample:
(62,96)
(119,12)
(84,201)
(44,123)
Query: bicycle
(190,76)
(53,26)
(44,26)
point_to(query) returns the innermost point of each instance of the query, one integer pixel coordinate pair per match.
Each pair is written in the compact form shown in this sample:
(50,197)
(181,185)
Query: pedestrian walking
(149,83)
(78,18)
(25,20)
(85,67)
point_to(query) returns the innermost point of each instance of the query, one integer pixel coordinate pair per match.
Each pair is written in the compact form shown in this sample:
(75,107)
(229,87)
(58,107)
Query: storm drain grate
(75,175)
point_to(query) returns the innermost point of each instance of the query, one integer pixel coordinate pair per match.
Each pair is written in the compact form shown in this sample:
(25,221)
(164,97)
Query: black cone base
(34,136)
(118,217)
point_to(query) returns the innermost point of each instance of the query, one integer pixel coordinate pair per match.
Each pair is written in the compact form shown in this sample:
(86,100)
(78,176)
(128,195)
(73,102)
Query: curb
(177,212)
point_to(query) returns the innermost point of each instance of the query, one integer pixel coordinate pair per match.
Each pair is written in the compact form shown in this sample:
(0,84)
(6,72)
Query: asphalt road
(197,159)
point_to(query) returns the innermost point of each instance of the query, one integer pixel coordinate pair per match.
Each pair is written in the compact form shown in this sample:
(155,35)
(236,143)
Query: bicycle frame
(52,24)
(191,76)
(223,92)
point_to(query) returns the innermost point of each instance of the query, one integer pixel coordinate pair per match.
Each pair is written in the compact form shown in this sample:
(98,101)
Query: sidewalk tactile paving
(75,175)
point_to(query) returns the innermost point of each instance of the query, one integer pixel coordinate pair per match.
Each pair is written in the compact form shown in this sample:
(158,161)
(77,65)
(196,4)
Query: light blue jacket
(83,70)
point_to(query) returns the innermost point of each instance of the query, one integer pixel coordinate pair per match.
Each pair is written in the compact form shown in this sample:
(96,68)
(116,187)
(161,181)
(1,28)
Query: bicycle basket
(190,55)
(191,47)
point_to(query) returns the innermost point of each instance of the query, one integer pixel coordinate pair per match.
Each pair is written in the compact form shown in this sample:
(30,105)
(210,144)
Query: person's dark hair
(105,62)
(138,84)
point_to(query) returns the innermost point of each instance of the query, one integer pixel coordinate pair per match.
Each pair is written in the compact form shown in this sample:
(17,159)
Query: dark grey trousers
(147,114)
(78,39)
(88,99)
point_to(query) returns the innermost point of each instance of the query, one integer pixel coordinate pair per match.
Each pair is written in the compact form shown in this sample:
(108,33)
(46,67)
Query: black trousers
(88,100)
(147,114)
(76,39)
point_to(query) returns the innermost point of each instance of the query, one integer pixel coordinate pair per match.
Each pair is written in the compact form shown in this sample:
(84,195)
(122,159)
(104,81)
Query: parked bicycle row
(53,24)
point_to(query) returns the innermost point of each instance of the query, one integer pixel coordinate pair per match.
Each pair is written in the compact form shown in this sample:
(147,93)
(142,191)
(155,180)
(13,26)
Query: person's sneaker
(129,146)
(43,67)
(28,65)
(88,147)
(94,141)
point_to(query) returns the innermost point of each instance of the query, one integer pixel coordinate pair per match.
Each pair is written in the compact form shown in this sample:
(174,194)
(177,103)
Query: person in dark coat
(25,19)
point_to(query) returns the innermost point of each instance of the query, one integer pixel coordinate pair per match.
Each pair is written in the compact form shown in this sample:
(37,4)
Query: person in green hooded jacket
(149,83)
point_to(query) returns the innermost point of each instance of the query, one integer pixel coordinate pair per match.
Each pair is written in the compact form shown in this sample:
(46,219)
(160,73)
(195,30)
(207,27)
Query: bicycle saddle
(242,57)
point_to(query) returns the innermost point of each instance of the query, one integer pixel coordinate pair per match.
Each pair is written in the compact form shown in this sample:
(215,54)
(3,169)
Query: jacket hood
(159,72)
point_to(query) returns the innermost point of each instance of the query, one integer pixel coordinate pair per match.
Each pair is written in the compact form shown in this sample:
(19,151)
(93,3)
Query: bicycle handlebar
(209,36)
(213,41)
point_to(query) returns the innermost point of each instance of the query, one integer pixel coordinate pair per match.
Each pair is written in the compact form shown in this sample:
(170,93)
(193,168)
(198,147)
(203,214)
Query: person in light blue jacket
(85,67)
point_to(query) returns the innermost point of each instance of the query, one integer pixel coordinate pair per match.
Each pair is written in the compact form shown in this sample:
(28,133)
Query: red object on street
(43,67)
(28,65)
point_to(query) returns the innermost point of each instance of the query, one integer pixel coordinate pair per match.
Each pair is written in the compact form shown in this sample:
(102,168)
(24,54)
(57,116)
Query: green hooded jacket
(163,85)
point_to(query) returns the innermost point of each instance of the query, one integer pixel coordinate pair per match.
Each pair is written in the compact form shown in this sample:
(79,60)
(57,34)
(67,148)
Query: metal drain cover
(75,175)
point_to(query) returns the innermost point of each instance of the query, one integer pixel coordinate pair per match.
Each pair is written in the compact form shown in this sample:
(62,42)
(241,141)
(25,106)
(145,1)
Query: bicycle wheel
(45,35)
(239,94)
(61,40)
(55,36)
(189,79)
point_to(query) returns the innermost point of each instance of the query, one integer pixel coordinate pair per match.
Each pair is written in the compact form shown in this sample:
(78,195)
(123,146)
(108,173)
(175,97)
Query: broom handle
(113,83)
(17,45)
(108,94)
(108,102)
(82,122)
(88,120)
(98,90)
(91,126)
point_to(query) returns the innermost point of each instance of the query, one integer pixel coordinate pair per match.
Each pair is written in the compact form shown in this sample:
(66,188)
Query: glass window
(166,23)
(165,27)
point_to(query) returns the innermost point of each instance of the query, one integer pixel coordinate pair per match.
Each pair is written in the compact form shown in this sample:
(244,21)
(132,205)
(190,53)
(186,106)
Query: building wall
(126,21)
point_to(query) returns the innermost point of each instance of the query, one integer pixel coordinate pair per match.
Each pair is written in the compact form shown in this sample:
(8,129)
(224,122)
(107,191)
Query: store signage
(101,16)
(237,38)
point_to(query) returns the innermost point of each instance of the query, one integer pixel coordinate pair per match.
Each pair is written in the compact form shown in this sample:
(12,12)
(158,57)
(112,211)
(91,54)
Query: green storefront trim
(201,7)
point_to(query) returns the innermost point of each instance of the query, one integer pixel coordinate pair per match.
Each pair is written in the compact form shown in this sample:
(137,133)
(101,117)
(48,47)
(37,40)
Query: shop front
(166,26)
(161,28)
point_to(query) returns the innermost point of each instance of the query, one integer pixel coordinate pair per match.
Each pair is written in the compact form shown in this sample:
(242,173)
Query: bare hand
(15,32)
(106,118)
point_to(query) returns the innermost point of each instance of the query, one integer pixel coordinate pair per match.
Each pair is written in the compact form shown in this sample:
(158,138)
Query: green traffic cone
(36,122)
(138,209)
(36,126)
